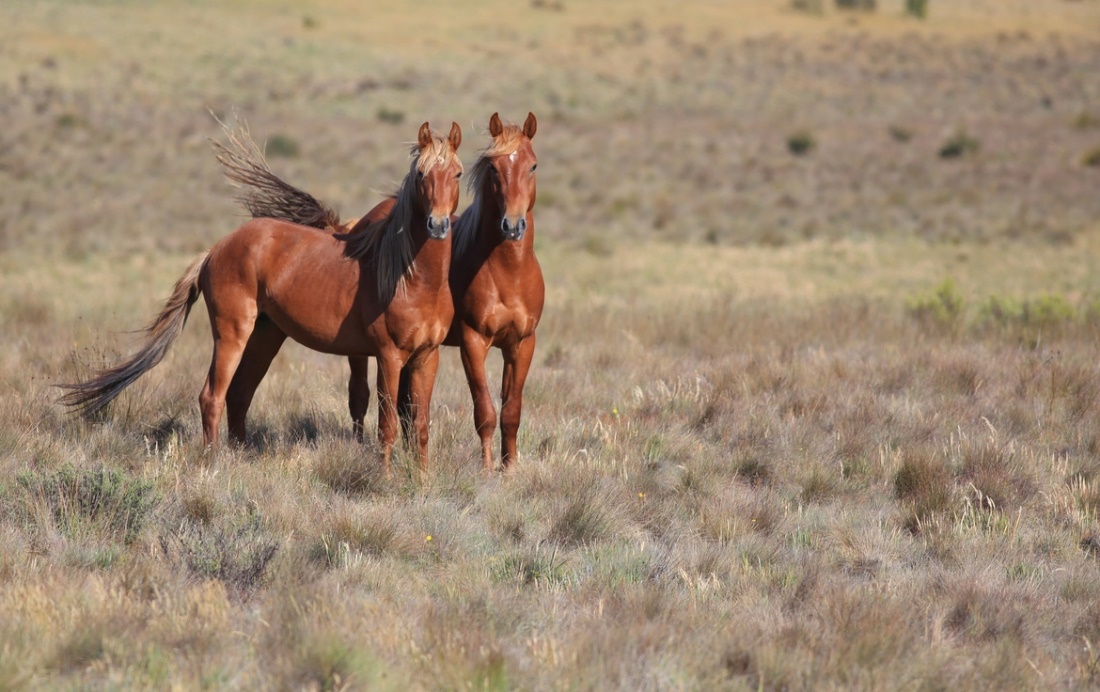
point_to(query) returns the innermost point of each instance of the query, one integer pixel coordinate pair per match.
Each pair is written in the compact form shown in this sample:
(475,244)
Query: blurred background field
(821,333)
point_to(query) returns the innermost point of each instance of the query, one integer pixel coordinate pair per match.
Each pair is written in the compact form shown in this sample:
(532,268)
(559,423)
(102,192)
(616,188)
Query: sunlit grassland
(794,421)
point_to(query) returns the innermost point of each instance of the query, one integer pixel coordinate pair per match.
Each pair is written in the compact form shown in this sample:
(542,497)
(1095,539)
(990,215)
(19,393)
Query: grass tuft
(924,486)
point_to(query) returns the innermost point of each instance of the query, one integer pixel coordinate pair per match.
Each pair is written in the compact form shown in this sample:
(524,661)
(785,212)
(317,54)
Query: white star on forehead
(512,156)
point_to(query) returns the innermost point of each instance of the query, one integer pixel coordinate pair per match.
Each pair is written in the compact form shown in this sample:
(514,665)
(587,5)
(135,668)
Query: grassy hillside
(815,401)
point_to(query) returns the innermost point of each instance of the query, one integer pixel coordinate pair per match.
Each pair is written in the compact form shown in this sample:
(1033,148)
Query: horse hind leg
(231,335)
(262,347)
(358,394)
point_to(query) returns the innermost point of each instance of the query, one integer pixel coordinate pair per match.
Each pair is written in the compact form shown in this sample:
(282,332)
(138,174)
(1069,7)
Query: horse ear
(424,138)
(495,126)
(530,125)
(455,137)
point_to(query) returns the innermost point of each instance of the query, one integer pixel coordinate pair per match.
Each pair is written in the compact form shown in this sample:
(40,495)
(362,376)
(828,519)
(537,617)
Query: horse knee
(485,419)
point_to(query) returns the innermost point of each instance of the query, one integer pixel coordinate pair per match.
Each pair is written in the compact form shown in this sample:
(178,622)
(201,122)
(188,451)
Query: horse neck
(496,248)
(431,258)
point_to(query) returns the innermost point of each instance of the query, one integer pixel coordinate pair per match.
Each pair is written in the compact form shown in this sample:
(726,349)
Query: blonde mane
(388,243)
(466,229)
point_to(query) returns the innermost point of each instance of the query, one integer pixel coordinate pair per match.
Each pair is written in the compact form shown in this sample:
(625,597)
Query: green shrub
(1042,312)
(282,146)
(916,8)
(105,497)
(1091,158)
(942,306)
(900,134)
(958,145)
(393,117)
(1086,120)
(801,143)
(861,5)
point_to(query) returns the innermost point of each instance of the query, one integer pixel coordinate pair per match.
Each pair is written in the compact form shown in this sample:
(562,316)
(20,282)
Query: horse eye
(420,175)
(534,167)
(458,175)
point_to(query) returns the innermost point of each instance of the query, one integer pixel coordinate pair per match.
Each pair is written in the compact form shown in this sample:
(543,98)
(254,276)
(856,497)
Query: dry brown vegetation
(817,420)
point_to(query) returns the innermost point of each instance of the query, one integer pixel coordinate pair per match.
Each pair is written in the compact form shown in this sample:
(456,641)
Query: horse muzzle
(513,230)
(438,228)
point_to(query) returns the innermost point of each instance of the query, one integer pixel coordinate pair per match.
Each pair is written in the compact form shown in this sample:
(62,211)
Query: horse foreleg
(389,371)
(358,394)
(517,362)
(263,345)
(474,349)
(419,379)
(230,337)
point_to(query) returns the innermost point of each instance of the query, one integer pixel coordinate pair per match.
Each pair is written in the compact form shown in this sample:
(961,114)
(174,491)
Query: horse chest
(414,334)
(497,306)
(506,323)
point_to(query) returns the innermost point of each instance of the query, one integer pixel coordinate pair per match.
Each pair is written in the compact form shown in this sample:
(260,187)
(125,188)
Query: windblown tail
(263,193)
(91,396)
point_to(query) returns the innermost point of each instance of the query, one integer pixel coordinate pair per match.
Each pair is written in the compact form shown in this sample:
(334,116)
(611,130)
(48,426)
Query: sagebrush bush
(900,134)
(237,555)
(942,306)
(917,8)
(1091,157)
(103,497)
(801,143)
(863,5)
(1045,311)
(959,145)
(281,145)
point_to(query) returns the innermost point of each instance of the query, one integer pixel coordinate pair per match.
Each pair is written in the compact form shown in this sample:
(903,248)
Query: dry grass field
(816,402)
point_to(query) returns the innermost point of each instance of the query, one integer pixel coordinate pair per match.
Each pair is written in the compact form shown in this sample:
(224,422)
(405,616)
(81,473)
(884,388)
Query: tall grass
(765,444)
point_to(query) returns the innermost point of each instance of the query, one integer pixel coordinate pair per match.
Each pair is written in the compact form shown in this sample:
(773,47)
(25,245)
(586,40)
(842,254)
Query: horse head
(510,173)
(438,170)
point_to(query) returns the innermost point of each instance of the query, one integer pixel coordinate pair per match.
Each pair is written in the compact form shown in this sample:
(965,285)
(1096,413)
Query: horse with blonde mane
(379,290)
(497,286)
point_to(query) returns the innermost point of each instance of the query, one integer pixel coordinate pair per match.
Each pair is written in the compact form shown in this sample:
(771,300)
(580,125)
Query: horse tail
(91,396)
(263,193)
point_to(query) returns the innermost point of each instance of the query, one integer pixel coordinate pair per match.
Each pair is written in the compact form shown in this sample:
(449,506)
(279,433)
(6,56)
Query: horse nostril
(446,224)
(522,225)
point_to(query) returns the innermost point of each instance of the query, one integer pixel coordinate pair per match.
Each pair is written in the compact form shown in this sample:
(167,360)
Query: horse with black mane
(379,288)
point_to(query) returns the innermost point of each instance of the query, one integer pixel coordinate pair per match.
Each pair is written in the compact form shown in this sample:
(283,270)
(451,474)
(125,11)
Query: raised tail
(91,396)
(263,193)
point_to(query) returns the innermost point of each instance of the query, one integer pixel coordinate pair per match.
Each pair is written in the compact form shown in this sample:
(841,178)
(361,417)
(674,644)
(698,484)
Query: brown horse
(381,291)
(265,195)
(497,286)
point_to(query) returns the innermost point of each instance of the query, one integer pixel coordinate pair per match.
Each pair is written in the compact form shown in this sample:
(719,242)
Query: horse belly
(319,310)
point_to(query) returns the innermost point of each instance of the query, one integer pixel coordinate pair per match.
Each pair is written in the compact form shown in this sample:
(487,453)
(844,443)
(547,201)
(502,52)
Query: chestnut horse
(497,285)
(381,291)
